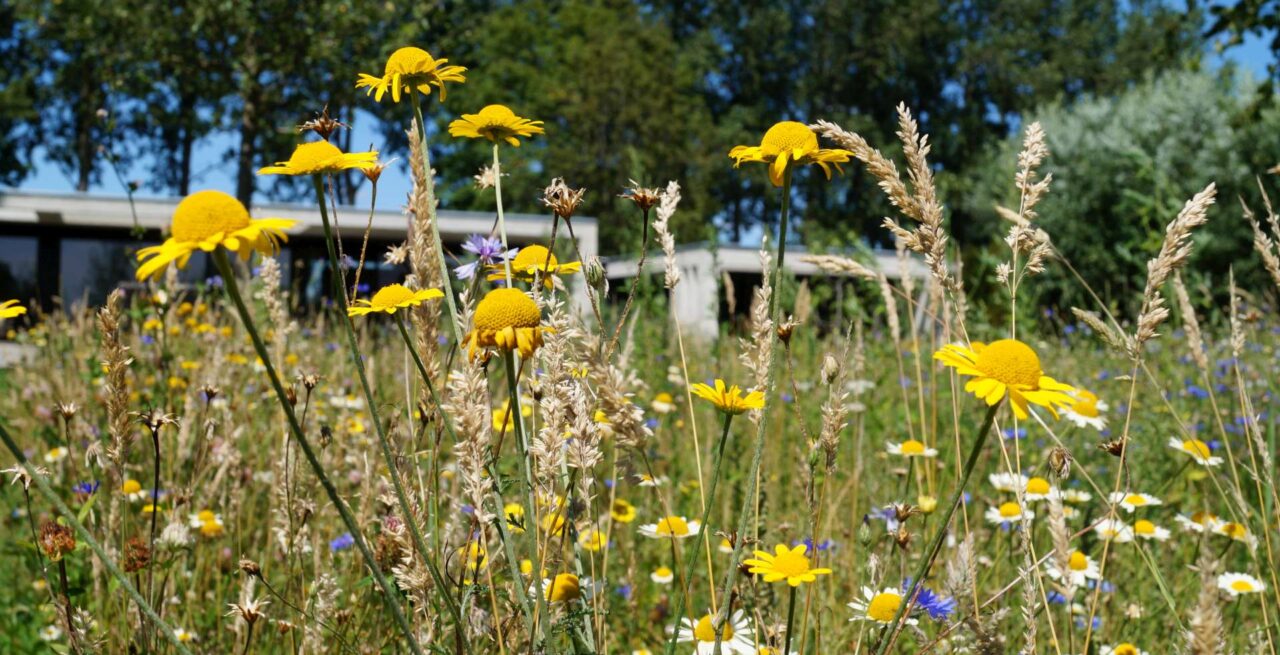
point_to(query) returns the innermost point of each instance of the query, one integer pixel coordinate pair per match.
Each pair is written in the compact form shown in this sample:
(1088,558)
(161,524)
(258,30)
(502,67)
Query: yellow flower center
(788,136)
(705,632)
(1144,527)
(1077,561)
(663,397)
(533,257)
(663,572)
(1011,362)
(1086,404)
(130,487)
(884,606)
(309,156)
(407,61)
(1241,586)
(1135,499)
(912,447)
(1234,530)
(791,563)
(1196,447)
(563,587)
(504,308)
(391,295)
(205,516)
(1125,649)
(673,526)
(1203,518)
(1039,486)
(498,116)
(206,213)
(1010,510)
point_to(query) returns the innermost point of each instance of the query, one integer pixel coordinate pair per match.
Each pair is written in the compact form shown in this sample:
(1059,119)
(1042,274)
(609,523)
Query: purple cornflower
(488,250)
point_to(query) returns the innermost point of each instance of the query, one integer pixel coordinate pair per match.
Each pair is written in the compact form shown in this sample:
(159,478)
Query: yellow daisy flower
(788,564)
(878,607)
(319,158)
(1197,449)
(564,587)
(1007,367)
(593,540)
(786,143)
(532,262)
(495,123)
(11,308)
(729,400)
(392,297)
(206,220)
(408,70)
(622,511)
(506,319)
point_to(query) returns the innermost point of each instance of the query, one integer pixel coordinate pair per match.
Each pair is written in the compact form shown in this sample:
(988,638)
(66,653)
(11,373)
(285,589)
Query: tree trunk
(86,112)
(186,110)
(248,145)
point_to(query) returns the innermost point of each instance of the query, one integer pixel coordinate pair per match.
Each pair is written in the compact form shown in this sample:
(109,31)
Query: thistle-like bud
(322,125)
(561,200)
(250,568)
(594,273)
(1060,463)
(326,436)
(830,368)
(137,555)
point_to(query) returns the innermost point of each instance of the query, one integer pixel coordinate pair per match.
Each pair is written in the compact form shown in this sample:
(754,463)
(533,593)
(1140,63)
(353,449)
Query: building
(698,302)
(79,247)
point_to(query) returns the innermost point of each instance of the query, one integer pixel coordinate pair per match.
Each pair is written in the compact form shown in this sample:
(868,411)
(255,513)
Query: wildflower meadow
(513,452)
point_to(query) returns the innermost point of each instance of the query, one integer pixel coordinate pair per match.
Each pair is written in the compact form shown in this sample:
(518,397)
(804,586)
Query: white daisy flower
(646,480)
(878,607)
(675,527)
(1008,513)
(1240,583)
(1010,482)
(185,636)
(1080,567)
(197,521)
(662,575)
(1144,529)
(1131,501)
(1236,531)
(55,455)
(1113,530)
(735,636)
(1086,411)
(1038,489)
(1076,496)
(725,546)
(50,633)
(1198,522)
(1197,449)
(910,448)
(663,403)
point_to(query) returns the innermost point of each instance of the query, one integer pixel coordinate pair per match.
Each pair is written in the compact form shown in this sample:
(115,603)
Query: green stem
(749,507)
(531,526)
(936,544)
(430,184)
(426,378)
(791,616)
(682,598)
(389,594)
(45,490)
(388,457)
(502,223)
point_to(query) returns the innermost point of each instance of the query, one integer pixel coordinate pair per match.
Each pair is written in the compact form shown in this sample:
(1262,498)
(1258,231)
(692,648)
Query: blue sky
(1253,56)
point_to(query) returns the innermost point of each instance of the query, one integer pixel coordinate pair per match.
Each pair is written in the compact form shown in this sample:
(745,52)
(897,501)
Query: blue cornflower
(488,250)
(938,607)
(86,488)
(342,542)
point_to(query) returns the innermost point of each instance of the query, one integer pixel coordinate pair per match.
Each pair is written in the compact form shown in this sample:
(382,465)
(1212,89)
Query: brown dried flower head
(322,125)
(67,410)
(644,198)
(57,541)
(561,200)
(137,555)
